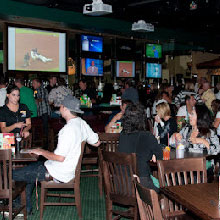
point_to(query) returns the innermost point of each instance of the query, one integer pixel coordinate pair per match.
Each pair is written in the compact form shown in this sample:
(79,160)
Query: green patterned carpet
(93,206)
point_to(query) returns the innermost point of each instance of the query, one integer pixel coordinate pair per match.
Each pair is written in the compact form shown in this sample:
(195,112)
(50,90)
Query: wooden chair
(10,190)
(26,143)
(109,143)
(119,169)
(148,204)
(180,172)
(74,184)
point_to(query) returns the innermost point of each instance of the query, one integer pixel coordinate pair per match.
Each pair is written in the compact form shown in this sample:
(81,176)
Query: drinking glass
(166,153)
(18,140)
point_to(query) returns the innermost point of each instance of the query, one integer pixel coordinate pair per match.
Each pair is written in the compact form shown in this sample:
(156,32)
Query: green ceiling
(73,20)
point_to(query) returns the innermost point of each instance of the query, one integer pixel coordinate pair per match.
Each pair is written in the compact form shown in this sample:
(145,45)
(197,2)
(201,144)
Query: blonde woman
(164,123)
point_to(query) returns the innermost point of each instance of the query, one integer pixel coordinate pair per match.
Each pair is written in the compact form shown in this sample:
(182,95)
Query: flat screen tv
(1,57)
(36,50)
(125,69)
(91,67)
(153,70)
(92,43)
(154,51)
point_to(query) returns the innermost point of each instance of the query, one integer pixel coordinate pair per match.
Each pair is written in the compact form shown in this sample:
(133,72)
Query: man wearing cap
(61,163)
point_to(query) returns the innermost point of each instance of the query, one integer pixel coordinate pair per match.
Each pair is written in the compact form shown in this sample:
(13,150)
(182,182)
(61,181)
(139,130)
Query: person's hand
(117,117)
(154,158)
(157,119)
(20,124)
(37,151)
(25,134)
(178,137)
(194,134)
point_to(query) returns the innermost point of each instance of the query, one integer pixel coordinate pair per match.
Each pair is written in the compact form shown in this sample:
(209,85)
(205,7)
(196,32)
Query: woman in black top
(135,139)
(15,117)
(164,123)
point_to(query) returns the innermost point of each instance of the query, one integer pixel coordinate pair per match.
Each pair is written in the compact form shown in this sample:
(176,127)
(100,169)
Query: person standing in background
(27,97)
(52,83)
(208,96)
(43,108)
(3,91)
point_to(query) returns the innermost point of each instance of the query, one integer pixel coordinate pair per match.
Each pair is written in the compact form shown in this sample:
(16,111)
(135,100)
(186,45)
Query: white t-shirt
(218,128)
(3,93)
(69,146)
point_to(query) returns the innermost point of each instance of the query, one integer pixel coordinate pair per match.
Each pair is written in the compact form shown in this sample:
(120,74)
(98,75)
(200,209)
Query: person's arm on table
(48,155)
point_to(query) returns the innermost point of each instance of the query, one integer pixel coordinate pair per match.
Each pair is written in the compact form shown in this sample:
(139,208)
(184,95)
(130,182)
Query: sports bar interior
(125,34)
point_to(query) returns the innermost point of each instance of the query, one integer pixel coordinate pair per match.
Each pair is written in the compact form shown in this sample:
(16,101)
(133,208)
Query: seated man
(61,163)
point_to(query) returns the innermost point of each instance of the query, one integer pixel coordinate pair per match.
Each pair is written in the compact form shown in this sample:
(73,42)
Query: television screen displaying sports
(125,69)
(154,51)
(153,70)
(36,50)
(92,43)
(1,56)
(92,67)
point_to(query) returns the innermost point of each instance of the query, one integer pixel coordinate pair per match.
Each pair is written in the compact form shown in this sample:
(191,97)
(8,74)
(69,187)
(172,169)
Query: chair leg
(23,203)
(78,201)
(10,210)
(108,204)
(42,199)
(100,177)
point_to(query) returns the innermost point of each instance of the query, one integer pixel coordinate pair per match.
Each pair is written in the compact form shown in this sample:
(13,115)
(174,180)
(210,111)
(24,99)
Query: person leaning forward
(61,163)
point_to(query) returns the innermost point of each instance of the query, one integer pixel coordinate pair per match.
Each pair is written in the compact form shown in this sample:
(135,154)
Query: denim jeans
(29,174)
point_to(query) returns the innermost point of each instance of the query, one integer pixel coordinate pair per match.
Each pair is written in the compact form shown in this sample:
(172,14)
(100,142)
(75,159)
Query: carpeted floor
(93,206)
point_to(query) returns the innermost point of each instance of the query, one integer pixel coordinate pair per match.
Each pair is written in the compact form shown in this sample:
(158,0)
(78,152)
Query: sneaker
(6,214)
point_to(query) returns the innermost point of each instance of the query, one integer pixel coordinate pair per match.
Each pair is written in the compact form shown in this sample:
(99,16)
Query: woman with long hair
(135,138)
(15,117)
(199,134)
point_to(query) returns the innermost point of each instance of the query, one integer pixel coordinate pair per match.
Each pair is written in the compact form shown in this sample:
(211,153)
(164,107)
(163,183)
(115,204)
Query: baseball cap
(72,103)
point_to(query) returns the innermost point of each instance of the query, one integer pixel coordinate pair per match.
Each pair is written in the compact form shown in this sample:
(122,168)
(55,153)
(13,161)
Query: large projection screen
(36,50)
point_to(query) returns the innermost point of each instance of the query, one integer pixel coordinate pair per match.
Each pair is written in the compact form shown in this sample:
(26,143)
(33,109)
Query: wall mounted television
(154,51)
(91,67)
(153,70)
(1,56)
(125,69)
(31,49)
(91,43)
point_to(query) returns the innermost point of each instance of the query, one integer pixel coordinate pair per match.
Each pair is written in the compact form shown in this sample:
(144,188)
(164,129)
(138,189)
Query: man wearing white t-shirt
(185,110)
(61,163)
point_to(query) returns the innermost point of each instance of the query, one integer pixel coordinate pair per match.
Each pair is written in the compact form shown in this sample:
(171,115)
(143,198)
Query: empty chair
(148,203)
(180,172)
(118,171)
(73,185)
(8,190)
(109,142)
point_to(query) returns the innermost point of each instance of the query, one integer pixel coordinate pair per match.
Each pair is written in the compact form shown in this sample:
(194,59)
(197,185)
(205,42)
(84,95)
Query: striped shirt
(180,98)
(43,105)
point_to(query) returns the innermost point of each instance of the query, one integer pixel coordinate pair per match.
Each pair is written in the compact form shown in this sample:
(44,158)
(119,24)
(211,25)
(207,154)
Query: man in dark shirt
(91,93)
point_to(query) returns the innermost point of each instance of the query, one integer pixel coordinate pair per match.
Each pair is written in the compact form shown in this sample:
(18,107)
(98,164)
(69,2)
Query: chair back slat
(5,174)
(148,204)
(118,173)
(26,143)
(109,141)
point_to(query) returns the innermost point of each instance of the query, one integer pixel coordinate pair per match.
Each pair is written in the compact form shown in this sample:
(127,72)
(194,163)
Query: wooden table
(201,199)
(24,157)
